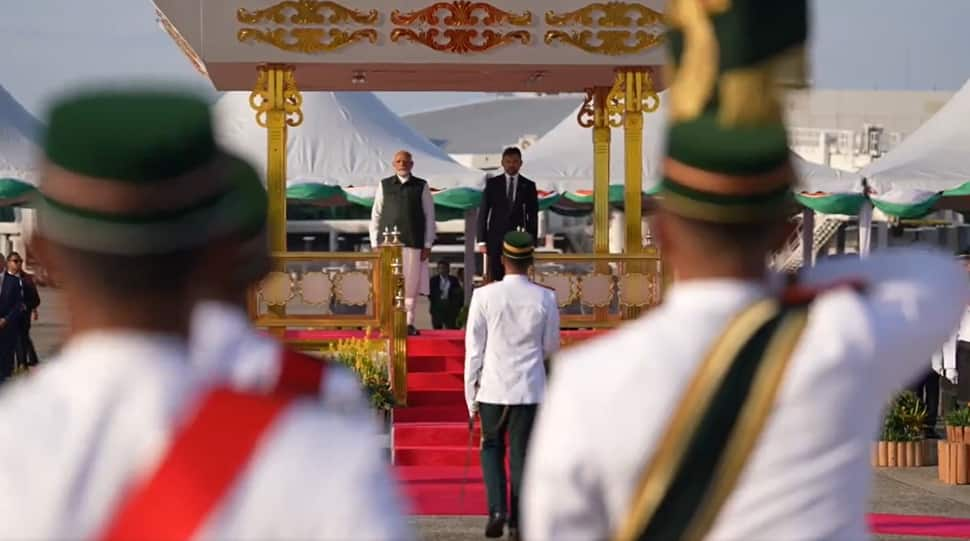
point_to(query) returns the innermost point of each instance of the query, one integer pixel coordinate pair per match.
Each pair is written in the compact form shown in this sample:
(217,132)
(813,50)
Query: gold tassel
(692,84)
(750,95)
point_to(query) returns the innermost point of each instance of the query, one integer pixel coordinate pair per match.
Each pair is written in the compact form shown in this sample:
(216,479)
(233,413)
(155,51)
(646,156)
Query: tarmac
(913,491)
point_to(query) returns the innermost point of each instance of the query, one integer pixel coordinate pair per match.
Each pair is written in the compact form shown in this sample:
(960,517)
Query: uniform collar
(215,327)
(125,349)
(718,292)
(516,278)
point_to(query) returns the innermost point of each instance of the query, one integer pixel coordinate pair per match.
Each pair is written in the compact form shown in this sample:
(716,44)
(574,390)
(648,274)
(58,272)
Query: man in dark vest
(404,202)
(510,201)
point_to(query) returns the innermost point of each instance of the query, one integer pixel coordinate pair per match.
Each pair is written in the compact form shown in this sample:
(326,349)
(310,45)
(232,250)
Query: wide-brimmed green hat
(133,172)
(518,245)
(727,150)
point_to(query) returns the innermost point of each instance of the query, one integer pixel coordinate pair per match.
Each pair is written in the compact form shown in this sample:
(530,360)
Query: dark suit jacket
(31,296)
(456,296)
(12,305)
(497,215)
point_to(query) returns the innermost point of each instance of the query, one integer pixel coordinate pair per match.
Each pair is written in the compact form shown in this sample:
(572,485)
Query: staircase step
(434,434)
(436,397)
(454,413)
(418,381)
(457,455)
(437,363)
(435,347)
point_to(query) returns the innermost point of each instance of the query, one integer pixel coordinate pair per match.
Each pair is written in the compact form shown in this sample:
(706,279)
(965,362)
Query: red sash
(300,374)
(200,468)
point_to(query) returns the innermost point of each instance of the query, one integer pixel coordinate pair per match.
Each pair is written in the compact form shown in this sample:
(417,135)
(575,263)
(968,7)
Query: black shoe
(496,526)
(513,533)
(412,331)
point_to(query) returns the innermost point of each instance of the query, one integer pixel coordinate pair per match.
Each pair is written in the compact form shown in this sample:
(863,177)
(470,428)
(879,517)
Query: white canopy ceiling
(20,135)
(562,160)
(935,157)
(346,139)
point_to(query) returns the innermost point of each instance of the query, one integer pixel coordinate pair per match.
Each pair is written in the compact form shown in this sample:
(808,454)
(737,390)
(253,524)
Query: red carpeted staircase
(430,436)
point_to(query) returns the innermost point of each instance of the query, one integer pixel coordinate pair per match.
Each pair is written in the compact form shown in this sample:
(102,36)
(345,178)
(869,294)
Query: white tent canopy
(934,157)
(562,160)
(346,139)
(20,135)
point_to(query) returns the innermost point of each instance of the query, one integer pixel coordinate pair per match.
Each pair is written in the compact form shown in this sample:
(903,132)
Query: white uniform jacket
(809,475)
(225,348)
(77,432)
(512,327)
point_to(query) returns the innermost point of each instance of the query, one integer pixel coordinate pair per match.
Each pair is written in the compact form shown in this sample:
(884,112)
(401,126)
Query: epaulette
(550,288)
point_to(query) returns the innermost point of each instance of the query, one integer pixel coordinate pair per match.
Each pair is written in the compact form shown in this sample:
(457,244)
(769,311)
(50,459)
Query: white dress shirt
(809,475)
(512,327)
(83,427)
(225,348)
(427,204)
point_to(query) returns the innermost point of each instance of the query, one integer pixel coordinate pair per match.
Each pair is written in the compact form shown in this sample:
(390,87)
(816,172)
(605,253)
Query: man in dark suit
(510,201)
(26,355)
(12,310)
(447,297)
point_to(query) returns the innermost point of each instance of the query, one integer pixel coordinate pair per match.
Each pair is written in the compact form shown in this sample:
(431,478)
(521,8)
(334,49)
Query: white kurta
(77,431)
(416,277)
(513,326)
(809,475)
(225,348)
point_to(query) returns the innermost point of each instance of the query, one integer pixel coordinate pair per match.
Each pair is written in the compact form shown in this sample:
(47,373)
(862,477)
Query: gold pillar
(277,103)
(594,114)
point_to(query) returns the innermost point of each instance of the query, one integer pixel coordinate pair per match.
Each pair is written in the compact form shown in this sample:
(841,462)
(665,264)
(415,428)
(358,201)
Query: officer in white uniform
(104,442)
(735,410)
(512,328)
(223,344)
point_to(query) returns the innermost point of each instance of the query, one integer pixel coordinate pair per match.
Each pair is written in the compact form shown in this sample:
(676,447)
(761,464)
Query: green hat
(727,149)
(133,173)
(254,203)
(518,245)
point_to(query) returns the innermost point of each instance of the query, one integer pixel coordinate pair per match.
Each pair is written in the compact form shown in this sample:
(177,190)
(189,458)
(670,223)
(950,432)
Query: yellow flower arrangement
(368,359)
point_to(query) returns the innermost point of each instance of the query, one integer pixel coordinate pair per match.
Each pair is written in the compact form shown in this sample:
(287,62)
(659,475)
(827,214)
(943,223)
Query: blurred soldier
(119,437)
(722,414)
(513,326)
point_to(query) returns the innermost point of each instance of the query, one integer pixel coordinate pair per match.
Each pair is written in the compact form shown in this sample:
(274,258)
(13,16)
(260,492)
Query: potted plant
(369,360)
(954,453)
(901,440)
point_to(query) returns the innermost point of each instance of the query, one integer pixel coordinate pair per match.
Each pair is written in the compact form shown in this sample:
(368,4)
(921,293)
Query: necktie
(511,189)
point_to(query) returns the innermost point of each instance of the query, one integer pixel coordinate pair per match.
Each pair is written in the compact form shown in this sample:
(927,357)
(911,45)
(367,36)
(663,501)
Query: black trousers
(8,348)
(25,354)
(927,388)
(499,420)
(496,271)
(444,318)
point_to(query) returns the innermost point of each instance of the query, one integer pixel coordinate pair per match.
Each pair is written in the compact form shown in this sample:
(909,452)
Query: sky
(47,46)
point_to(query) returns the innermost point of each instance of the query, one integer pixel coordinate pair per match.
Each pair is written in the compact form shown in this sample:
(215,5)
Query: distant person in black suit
(447,297)
(12,309)
(26,355)
(510,201)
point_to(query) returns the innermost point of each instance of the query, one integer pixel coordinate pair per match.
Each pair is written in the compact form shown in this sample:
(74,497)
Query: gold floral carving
(353,288)
(621,28)
(586,116)
(596,289)
(307,12)
(461,40)
(307,40)
(266,95)
(276,289)
(637,85)
(316,288)
(459,33)
(637,289)
(461,13)
(565,286)
(614,15)
(607,42)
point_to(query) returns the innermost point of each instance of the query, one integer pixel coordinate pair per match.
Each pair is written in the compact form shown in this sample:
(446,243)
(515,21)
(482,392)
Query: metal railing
(313,291)
(602,290)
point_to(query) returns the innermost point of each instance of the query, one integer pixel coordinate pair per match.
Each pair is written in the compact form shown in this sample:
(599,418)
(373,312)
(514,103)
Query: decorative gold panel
(268,95)
(321,36)
(459,34)
(276,289)
(564,285)
(316,288)
(461,40)
(307,12)
(307,40)
(619,32)
(586,116)
(596,289)
(353,288)
(637,289)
